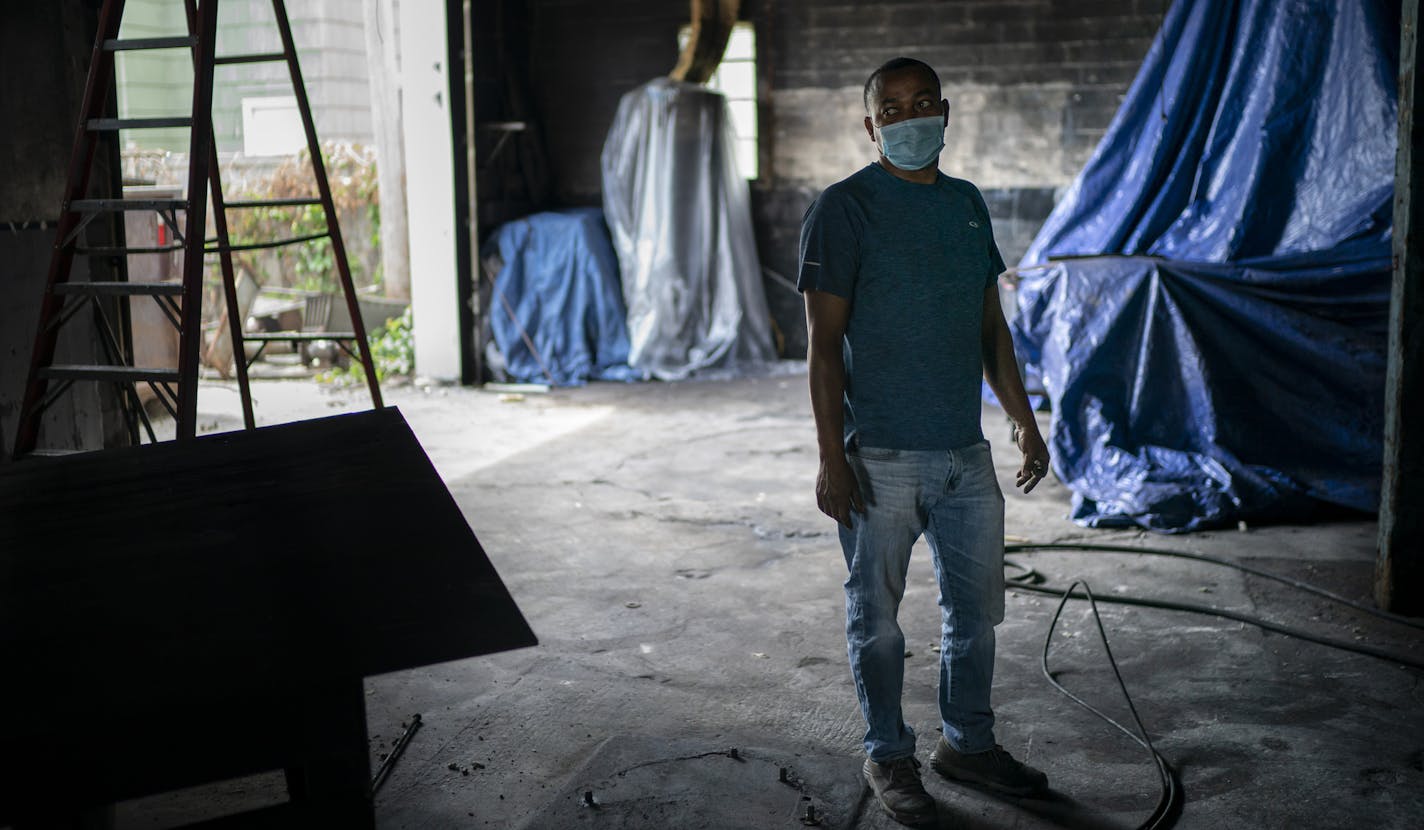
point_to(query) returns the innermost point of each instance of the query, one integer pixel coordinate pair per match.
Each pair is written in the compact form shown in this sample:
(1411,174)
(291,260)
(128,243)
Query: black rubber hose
(1412,622)
(1169,804)
(1029,580)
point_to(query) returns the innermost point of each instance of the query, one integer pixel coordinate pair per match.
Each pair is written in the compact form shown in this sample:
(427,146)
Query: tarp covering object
(558,291)
(1212,333)
(679,212)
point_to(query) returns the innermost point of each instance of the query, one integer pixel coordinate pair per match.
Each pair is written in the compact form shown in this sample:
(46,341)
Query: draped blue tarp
(1206,306)
(559,291)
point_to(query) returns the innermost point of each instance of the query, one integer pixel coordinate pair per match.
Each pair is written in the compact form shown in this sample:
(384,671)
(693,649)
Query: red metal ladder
(176,388)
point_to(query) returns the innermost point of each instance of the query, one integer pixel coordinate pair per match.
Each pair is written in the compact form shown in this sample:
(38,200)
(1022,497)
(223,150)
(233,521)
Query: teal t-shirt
(914,261)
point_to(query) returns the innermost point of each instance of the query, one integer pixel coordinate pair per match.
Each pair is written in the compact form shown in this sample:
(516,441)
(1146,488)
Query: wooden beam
(712,22)
(1399,572)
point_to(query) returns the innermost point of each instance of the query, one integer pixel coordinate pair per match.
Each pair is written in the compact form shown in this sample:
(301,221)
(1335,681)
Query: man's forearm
(827,377)
(826,318)
(1001,370)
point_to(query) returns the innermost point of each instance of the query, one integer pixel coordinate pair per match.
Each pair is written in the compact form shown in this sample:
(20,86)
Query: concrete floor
(664,543)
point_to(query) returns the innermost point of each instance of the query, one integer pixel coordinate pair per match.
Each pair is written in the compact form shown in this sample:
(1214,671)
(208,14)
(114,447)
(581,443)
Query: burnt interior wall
(512,171)
(44,60)
(584,56)
(1032,84)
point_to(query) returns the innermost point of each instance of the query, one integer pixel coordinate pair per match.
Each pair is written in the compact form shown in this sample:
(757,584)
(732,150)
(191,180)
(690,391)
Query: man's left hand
(1035,457)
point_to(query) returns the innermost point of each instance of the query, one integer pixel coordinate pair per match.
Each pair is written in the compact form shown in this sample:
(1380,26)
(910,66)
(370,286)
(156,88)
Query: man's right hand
(837,492)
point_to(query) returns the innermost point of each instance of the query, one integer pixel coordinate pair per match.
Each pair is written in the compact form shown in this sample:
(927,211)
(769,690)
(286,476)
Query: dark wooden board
(166,610)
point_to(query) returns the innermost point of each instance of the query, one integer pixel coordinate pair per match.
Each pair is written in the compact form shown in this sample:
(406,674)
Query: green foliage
(315,262)
(392,353)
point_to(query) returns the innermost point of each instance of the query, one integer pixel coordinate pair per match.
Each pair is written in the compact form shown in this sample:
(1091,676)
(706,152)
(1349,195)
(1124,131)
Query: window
(736,78)
(272,126)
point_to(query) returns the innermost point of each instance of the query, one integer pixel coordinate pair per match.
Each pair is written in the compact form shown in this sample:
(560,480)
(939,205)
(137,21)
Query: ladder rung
(51,452)
(111,124)
(91,205)
(260,203)
(115,288)
(118,45)
(298,336)
(263,57)
(117,374)
(110,250)
(276,243)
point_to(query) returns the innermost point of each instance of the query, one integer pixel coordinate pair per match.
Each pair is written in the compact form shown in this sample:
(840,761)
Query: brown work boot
(994,768)
(898,788)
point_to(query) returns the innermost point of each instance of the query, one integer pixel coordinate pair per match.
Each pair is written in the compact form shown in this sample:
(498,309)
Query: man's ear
(944,105)
(870,127)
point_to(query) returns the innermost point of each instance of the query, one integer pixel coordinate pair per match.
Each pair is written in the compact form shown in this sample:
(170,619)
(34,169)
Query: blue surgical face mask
(914,143)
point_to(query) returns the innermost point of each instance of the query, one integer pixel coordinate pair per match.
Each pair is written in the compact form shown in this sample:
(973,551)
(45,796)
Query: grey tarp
(680,216)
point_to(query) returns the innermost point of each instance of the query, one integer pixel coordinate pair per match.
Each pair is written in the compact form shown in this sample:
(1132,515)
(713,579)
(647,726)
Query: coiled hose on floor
(1169,804)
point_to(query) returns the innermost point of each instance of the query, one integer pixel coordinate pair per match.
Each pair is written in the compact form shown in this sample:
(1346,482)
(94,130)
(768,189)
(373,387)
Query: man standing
(898,268)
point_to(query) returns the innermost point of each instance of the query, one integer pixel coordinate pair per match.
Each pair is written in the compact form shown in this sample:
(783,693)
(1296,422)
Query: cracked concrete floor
(664,544)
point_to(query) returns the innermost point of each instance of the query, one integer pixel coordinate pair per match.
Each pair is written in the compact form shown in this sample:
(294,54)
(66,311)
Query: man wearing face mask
(898,269)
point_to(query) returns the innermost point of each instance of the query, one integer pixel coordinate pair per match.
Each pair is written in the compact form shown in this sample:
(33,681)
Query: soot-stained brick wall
(1032,84)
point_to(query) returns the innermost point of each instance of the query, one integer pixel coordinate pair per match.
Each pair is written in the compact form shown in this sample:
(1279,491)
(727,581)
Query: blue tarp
(1206,307)
(559,290)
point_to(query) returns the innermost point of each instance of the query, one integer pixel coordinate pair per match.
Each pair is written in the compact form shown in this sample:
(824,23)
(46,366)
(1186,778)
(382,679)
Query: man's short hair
(894,65)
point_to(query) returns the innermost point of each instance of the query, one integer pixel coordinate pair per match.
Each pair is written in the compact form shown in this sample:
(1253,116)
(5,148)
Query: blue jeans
(953,499)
